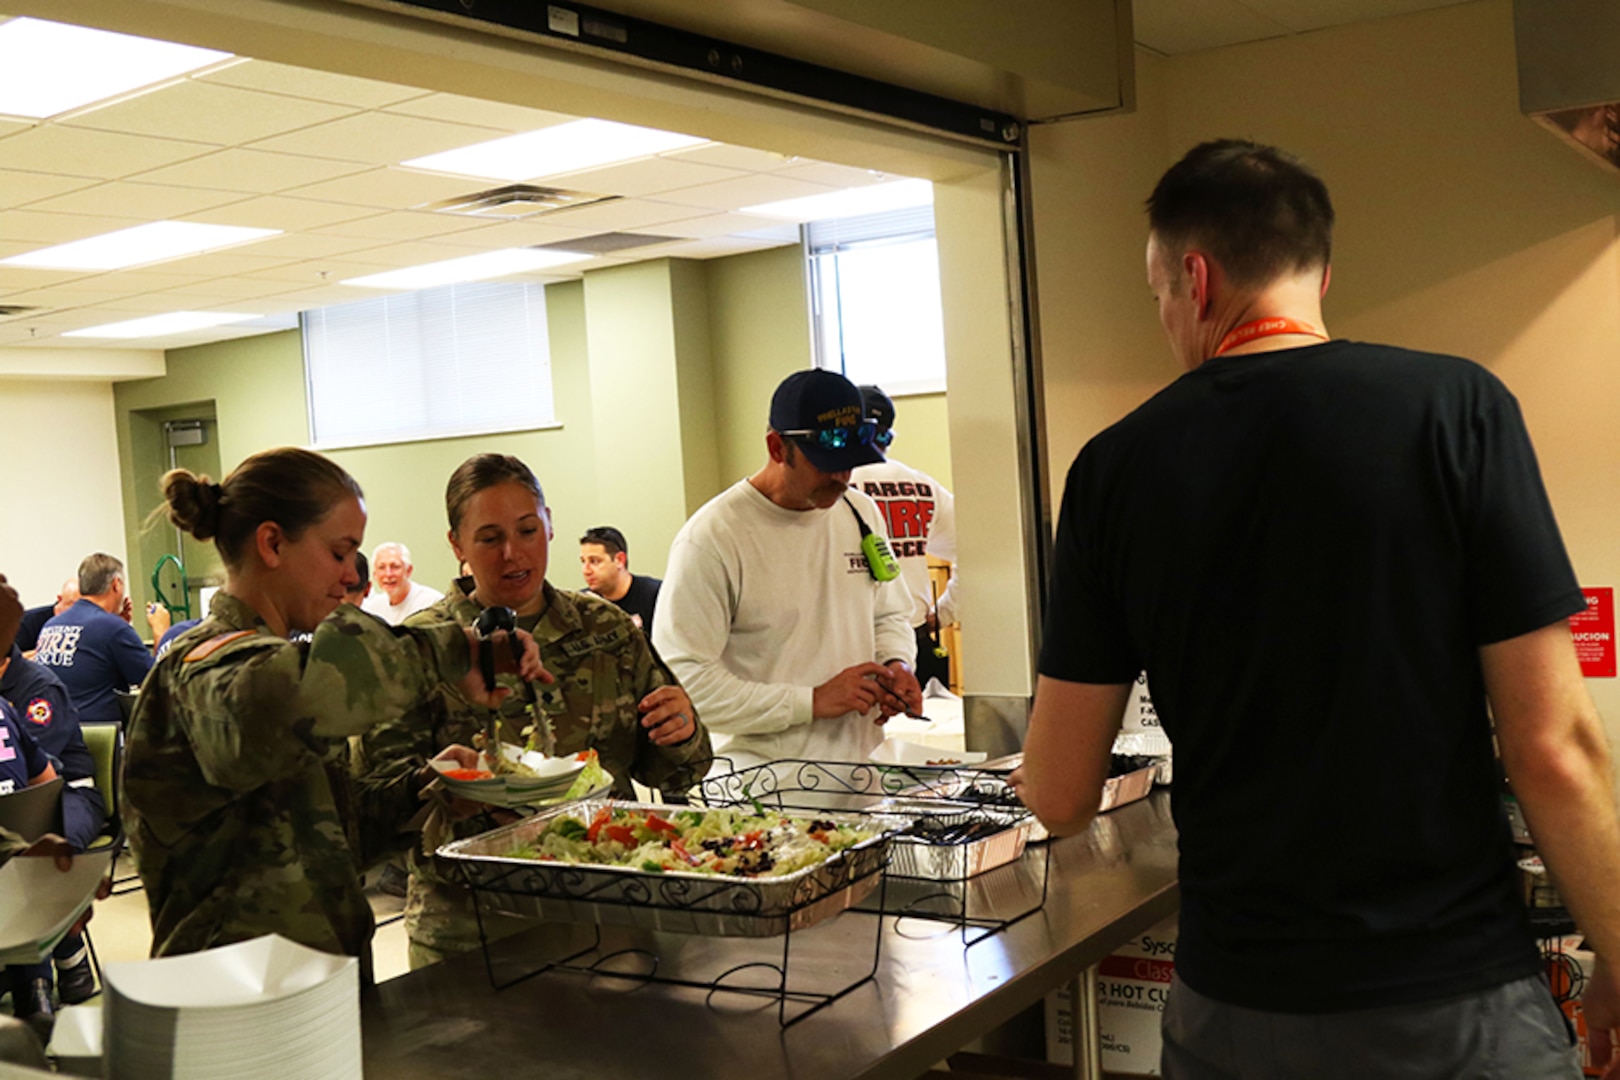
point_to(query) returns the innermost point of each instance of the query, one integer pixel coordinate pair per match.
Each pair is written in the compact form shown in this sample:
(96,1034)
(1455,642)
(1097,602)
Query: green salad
(741,842)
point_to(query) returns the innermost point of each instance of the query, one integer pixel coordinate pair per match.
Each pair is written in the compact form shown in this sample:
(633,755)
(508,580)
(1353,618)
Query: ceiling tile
(402,225)
(21,188)
(13,281)
(376,138)
(211,113)
(545,229)
(237,260)
(146,202)
(620,215)
(735,157)
(318,273)
(391,188)
(646,177)
(728,224)
(744,191)
(251,171)
(283,212)
(311,246)
(72,294)
(214,292)
(42,229)
(106,155)
(312,84)
(839,176)
(490,114)
(11,127)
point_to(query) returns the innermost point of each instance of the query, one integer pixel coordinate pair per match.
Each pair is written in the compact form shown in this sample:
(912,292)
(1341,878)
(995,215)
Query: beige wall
(63,497)
(1463,228)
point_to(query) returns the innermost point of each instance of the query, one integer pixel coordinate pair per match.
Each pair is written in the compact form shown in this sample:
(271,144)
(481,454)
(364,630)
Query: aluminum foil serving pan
(973,851)
(671,901)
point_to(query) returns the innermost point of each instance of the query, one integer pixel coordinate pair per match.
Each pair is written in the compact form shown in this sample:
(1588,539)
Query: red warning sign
(1593,630)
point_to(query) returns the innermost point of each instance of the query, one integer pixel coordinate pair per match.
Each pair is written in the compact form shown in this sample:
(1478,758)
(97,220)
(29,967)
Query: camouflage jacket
(603,666)
(10,844)
(237,797)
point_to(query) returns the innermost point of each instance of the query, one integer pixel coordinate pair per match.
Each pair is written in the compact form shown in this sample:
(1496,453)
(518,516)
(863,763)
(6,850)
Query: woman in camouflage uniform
(237,795)
(611,694)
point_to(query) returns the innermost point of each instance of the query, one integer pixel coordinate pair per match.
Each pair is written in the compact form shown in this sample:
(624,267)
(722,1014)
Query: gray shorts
(1510,1032)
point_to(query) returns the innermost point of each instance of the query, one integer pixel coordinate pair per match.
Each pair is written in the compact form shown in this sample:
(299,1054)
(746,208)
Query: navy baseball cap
(823,413)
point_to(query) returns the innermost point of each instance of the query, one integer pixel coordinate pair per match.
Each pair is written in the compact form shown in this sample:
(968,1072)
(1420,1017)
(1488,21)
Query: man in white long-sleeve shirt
(771,615)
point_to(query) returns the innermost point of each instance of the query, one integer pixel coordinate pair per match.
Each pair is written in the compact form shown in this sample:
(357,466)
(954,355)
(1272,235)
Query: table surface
(930,995)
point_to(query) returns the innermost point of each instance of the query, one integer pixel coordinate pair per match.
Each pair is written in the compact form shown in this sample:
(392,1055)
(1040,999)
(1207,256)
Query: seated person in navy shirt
(48,715)
(23,764)
(91,646)
(34,619)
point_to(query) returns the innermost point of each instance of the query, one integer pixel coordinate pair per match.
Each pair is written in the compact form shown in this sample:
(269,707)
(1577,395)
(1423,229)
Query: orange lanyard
(1260,328)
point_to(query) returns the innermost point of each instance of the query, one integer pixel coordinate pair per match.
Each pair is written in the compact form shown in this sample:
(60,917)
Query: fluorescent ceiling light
(47,68)
(149,243)
(852,202)
(175,322)
(488,264)
(565,148)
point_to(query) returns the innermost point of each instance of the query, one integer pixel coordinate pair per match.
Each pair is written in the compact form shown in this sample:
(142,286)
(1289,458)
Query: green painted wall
(759,331)
(690,352)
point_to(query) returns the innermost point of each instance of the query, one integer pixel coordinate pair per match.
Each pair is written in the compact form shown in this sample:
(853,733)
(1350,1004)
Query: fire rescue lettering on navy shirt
(908,510)
(58,645)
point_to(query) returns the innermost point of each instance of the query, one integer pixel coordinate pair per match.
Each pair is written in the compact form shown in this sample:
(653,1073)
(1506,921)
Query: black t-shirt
(640,601)
(1304,550)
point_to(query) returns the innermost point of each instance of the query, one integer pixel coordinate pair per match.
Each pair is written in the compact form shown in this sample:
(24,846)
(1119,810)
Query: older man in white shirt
(396,595)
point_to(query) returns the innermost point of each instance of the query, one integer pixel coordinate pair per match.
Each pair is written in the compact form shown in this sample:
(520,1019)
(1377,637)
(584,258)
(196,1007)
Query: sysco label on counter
(1593,631)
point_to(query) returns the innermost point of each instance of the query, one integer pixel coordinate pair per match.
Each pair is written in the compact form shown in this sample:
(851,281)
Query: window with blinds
(459,360)
(875,292)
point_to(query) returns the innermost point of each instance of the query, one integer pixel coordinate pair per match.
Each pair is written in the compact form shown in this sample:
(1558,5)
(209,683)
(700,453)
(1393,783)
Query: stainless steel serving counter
(930,996)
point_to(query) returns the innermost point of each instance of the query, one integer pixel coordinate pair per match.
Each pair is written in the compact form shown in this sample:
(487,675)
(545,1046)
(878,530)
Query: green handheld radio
(880,562)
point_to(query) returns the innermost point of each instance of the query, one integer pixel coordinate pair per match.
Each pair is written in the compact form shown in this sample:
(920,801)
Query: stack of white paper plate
(262,1008)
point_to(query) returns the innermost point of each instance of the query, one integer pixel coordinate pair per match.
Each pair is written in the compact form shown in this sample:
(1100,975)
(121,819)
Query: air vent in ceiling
(608,242)
(516,201)
(8,310)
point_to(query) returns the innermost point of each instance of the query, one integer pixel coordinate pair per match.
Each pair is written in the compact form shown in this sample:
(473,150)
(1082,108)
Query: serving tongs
(490,621)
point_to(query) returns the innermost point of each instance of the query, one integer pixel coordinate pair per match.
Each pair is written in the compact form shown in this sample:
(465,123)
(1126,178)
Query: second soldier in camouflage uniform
(604,670)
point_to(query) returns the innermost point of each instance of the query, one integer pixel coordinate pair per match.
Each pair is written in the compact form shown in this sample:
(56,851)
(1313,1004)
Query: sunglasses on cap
(836,438)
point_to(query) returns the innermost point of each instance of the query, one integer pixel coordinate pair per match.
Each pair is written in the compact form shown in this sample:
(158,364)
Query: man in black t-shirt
(604,560)
(1328,557)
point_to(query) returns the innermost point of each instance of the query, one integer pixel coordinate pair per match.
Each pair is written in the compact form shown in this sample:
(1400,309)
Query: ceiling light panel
(174,322)
(49,68)
(854,202)
(552,151)
(481,267)
(153,242)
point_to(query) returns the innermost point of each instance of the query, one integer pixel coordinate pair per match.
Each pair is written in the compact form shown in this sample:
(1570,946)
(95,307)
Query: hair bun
(193,502)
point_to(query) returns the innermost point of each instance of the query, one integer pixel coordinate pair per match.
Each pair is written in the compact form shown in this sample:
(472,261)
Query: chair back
(31,812)
(105,741)
(126,702)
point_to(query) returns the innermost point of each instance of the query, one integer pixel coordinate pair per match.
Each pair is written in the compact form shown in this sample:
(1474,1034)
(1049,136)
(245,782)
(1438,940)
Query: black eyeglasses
(837,438)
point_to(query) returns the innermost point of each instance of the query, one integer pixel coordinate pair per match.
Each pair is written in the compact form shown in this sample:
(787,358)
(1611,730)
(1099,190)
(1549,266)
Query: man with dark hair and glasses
(1338,565)
(778,614)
